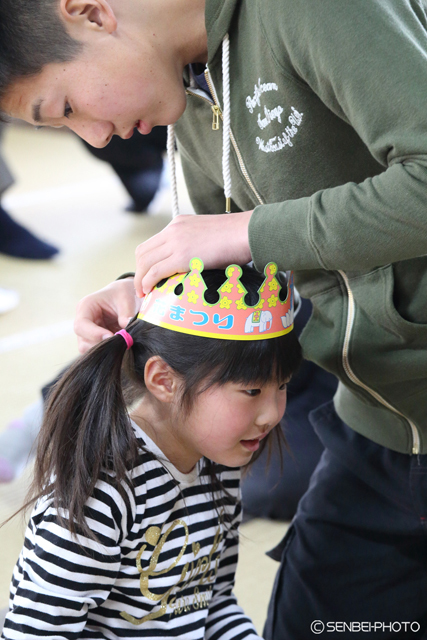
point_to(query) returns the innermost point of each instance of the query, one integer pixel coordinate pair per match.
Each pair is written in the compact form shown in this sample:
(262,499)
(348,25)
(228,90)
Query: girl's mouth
(251,445)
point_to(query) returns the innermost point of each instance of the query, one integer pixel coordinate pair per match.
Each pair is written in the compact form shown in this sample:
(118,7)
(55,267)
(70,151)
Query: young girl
(134,533)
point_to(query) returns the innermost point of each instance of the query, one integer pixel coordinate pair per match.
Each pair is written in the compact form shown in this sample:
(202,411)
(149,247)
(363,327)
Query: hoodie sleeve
(367,61)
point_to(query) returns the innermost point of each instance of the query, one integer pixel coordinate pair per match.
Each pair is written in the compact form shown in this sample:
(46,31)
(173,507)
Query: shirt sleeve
(226,620)
(366,60)
(60,577)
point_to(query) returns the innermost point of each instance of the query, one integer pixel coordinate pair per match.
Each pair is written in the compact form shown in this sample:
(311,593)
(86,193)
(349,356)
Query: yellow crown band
(217,336)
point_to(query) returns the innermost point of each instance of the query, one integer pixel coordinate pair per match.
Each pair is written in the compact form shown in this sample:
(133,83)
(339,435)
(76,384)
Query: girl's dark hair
(87,432)
(32,35)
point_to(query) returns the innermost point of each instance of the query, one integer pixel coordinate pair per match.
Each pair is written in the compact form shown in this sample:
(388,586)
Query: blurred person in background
(138,162)
(16,240)
(8,298)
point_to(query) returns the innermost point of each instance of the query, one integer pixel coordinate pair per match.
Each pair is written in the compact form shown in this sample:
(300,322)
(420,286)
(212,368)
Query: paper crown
(230,318)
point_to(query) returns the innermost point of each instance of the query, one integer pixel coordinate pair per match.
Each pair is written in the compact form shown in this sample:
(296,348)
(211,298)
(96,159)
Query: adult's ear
(95,15)
(160,380)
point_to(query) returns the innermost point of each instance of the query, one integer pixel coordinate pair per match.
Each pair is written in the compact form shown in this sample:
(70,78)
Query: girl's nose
(271,412)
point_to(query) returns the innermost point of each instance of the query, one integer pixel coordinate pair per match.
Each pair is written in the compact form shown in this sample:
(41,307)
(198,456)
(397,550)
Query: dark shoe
(142,186)
(132,207)
(19,242)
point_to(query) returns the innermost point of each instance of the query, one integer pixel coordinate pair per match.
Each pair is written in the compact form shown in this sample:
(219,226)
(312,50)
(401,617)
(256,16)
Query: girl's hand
(100,314)
(219,240)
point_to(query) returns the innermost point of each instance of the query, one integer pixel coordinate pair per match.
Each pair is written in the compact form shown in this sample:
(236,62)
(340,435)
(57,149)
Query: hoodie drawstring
(226,122)
(172,169)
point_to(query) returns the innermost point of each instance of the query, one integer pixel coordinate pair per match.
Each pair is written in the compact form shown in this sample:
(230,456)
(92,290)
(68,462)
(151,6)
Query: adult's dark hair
(32,35)
(87,433)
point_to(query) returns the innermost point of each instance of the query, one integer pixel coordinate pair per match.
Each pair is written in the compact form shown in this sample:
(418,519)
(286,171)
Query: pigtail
(86,434)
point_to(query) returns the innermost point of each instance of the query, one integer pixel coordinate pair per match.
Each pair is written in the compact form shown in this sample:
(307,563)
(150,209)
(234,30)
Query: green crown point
(193,283)
(233,273)
(271,269)
(196,264)
(229,271)
(233,270)
(270,284)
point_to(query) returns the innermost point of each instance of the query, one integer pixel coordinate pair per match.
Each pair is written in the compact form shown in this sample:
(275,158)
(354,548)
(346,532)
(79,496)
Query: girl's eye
(283,386)
(67,110)
(253,392)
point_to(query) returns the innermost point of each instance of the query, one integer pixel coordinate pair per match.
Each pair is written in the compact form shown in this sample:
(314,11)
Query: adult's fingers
(218,240)
(169,251)
(101,314)
(89,332)
(150,259)
(163,269)
(156,250)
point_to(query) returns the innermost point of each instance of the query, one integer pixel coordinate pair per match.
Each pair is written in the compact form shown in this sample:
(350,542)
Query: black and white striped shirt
(162,567)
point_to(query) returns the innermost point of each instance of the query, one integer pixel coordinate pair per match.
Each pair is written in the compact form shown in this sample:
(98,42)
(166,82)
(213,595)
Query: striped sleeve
(226,620)
(60,577)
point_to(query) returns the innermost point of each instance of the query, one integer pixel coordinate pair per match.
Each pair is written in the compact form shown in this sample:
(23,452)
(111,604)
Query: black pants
(356,551)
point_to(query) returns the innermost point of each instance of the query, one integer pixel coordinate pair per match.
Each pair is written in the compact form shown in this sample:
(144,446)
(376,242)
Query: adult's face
(125,76)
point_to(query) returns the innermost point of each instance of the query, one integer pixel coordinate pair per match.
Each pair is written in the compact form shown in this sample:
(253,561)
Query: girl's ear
(95,15)
(161,380)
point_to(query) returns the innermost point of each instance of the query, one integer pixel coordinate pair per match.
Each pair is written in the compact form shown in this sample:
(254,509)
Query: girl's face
(227,423)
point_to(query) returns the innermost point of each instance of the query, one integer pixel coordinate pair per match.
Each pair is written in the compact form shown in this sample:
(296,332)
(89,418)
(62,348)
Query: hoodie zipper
(352,376)
(217,114)
(233,140)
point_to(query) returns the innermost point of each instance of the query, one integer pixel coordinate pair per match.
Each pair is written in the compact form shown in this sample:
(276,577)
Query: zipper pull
(215,121)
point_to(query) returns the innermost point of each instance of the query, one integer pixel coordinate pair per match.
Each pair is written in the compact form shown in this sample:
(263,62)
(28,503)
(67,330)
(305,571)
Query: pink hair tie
(128,338)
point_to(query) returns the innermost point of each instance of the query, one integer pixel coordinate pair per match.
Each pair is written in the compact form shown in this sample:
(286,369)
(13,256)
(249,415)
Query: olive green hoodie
(329,140)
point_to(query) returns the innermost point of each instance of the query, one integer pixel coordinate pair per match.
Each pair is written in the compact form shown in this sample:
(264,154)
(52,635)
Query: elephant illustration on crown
(259,319)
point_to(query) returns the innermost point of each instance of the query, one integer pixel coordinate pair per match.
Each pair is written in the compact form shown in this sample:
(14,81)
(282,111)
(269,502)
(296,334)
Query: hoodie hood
(219,16)
(218,19)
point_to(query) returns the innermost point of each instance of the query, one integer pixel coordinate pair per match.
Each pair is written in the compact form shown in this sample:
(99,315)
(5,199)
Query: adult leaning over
(328,167)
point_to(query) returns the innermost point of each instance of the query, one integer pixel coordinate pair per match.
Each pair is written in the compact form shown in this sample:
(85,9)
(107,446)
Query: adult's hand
(100,314)
(219,240)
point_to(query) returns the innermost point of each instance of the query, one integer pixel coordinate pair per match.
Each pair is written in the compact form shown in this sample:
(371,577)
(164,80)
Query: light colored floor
(77,203)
